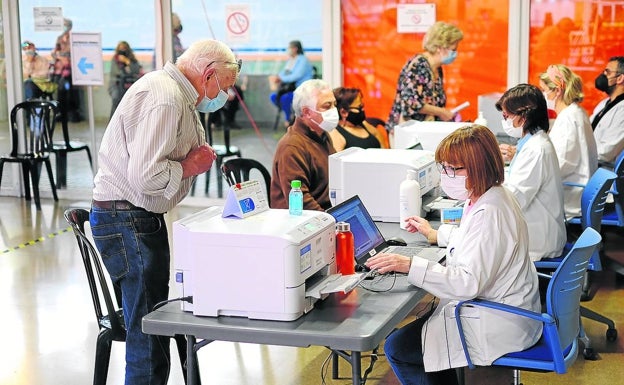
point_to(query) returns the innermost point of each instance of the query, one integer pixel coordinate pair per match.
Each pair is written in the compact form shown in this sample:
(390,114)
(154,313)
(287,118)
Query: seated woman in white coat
(533,175)
(487,257)
(571,134)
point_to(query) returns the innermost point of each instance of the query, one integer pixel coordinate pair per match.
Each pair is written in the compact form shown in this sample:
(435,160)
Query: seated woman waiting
(487,258)
(297,70)
(353,130)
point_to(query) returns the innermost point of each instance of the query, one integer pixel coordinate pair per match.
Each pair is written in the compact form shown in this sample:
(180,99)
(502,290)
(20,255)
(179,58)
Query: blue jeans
(285,103)
(403,349)
(135,250)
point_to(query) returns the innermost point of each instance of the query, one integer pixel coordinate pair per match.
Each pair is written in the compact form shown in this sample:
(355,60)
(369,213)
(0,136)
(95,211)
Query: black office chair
(238,170)
(109,314)
(31,148)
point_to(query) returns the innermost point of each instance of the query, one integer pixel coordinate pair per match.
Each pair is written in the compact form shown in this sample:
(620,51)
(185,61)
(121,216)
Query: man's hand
(198,161)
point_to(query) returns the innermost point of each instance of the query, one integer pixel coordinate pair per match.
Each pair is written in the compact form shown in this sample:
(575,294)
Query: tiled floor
(49,330)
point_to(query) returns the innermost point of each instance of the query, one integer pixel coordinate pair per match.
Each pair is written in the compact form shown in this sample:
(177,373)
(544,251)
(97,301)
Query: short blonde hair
(441,35)
(571,85)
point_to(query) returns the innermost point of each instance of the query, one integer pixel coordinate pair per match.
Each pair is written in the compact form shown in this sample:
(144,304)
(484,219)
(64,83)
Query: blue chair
(615,217)
(593,201)
(557,348)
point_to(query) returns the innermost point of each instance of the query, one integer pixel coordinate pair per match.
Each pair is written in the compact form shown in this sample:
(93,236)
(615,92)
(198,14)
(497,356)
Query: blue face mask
(452,55)
(208,105)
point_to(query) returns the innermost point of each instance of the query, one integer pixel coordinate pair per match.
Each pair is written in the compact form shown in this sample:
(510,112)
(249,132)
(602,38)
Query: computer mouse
(396,241)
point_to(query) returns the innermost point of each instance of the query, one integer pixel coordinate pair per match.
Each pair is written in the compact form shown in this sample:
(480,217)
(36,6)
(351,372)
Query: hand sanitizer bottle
(481,120)
(410,200)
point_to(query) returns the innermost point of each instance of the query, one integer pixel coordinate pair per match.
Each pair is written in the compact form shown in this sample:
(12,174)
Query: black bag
(285,88)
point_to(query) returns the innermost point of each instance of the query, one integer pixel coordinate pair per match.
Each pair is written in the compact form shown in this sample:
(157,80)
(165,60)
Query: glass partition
(374,51)
(582,35)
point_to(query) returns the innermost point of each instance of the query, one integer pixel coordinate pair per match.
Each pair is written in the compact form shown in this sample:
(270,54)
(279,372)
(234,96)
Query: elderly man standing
(302,153)
(152,150)
(608,117)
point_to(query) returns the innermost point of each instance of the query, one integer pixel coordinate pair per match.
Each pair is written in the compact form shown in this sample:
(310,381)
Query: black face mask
(602,84)
(356,118)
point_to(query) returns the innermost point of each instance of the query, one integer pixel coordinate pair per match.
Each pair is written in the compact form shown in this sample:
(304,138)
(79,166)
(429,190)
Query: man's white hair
(203,53)
(306,95)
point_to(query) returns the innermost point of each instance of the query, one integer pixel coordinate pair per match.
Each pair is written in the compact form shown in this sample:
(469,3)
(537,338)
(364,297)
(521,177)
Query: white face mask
(550,103)
(508,126)
(330,119)
(455,188)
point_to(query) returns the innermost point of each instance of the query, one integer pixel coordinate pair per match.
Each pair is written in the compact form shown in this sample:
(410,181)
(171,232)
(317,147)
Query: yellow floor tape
(35,241)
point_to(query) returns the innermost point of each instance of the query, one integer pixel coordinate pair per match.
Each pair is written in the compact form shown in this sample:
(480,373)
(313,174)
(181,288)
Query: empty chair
(61,148)
(31,147)
(108,314)
(237,170)
(558,347)
(592,207)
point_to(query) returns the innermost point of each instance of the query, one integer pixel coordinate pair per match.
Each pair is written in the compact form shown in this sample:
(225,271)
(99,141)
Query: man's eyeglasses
(239,63)
(449,170)
(608,72)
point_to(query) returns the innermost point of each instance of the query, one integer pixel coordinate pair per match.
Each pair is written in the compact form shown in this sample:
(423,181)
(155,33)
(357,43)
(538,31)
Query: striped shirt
(152,130)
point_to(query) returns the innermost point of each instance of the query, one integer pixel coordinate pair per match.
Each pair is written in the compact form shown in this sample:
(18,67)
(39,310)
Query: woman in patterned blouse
(420,92)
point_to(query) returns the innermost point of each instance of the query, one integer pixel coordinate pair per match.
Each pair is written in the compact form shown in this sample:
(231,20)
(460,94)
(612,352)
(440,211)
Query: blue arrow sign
(83,66)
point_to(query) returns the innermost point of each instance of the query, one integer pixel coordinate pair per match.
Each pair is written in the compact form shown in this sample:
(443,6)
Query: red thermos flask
(345,249)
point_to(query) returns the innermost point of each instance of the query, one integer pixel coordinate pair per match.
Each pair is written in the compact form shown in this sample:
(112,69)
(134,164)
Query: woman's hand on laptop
(387,262)
(417,224)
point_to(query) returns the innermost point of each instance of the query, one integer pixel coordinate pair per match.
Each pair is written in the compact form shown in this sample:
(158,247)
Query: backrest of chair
(618,188)
(236,170)
(594,198)
(96,276)
(564,289)
(39,118)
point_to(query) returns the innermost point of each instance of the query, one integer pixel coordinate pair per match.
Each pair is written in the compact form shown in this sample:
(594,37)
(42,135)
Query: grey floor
(49,330)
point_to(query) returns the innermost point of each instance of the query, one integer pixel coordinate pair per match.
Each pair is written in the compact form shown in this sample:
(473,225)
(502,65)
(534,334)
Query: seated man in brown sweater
(303,152)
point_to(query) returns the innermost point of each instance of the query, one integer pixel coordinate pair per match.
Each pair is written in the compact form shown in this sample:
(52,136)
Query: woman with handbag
(297,70)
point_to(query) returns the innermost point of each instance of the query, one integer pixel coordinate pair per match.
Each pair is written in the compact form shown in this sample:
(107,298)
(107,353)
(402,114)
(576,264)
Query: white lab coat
(609,133)
(487,258)
(535,180)
(574,142)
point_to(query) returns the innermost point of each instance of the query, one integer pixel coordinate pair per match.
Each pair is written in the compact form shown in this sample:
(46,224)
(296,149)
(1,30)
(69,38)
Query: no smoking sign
(237,24)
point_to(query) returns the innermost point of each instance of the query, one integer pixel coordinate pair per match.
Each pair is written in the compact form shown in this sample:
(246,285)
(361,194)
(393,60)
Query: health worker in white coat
(487,258)
(533,175)
(571,134)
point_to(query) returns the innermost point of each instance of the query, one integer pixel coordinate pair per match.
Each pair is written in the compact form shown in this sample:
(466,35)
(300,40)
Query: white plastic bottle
(481,120)
(410,200)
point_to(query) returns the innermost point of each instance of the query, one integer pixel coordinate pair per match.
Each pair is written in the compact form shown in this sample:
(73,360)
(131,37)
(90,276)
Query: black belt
(117,205)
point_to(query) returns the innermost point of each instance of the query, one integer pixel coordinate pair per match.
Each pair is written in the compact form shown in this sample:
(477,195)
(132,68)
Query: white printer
(271,265)
(423,134)
(375,175)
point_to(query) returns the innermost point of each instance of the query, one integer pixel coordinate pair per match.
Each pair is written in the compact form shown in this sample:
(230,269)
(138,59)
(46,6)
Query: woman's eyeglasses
(449,170)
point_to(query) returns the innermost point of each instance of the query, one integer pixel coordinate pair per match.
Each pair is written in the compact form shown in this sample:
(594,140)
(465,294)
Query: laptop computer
(367,238)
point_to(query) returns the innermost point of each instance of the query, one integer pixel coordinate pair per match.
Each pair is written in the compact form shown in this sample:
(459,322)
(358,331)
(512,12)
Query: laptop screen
(366,235)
